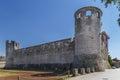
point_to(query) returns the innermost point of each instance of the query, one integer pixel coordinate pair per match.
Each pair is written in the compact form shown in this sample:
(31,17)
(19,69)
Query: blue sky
(33,22)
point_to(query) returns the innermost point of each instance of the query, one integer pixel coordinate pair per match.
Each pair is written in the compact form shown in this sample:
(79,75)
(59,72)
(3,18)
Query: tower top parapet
(83,11)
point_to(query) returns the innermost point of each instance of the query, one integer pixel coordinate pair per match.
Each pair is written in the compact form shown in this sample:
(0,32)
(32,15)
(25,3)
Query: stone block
(92,69)
(87,70)
(75,72)
(82,71)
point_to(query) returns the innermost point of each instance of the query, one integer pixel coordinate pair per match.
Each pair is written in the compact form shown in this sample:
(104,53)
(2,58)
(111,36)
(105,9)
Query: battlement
(10,43)
(88,11)
(11,46)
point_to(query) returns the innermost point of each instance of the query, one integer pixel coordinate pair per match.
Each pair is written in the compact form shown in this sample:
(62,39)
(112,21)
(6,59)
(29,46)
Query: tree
(107,2)
(115,2)
(110,60)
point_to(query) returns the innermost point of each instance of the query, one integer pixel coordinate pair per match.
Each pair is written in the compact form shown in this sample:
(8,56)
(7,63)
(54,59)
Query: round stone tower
(87,38)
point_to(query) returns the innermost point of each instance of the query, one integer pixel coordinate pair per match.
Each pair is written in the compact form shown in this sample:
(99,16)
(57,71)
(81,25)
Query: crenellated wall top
(82,11)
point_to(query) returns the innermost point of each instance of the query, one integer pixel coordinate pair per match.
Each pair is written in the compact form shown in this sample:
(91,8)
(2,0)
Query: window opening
(88,13)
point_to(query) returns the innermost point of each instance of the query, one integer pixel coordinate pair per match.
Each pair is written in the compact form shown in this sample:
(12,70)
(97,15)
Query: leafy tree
(107,2)
(115,2)
(110,60)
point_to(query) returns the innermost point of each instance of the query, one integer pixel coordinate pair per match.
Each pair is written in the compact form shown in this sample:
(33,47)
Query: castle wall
(89,48)
(58,52)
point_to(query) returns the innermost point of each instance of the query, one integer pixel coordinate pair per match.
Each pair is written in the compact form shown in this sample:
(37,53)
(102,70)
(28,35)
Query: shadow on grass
(44,75)
(49,74)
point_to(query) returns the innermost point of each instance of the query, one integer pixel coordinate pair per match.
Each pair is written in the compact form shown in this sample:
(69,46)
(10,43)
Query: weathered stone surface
(58,52)
(92,69)
(88,39)
(87,70)
(56,67)
(82,71)
(75,72)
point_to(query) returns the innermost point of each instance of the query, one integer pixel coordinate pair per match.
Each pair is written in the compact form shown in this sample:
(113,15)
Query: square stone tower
(11,46)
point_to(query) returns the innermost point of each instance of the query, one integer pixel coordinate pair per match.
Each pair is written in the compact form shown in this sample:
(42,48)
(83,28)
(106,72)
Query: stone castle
(89,47)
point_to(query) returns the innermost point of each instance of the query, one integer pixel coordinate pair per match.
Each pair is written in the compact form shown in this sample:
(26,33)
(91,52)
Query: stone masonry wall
(54,53)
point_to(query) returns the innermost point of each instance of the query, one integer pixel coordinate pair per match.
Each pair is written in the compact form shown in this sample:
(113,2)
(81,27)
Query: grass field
(3,74)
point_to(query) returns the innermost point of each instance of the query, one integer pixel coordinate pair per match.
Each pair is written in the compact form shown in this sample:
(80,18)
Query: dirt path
(30,75)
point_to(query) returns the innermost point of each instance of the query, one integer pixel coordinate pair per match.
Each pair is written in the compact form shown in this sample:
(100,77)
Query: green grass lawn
(3,74)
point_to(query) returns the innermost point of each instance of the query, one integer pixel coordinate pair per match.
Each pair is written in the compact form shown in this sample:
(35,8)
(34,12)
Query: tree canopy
(115,2)
(107,2)
(110,60)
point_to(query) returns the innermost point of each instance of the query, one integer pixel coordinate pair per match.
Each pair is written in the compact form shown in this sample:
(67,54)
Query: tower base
(89,61)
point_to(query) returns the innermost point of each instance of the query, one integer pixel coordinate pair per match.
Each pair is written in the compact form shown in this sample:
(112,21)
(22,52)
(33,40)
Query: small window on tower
(79,15)
(97,14)
(88,13)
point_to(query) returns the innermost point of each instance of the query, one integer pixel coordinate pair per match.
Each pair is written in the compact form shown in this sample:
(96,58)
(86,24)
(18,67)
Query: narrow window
(79,15)
(97,14)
